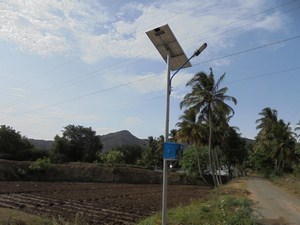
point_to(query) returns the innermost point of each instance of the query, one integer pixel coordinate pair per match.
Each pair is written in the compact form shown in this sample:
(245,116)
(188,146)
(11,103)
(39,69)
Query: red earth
(95,203)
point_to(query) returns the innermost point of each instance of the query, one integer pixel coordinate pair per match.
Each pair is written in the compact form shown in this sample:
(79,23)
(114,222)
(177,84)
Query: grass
(288,182)
(222,210)
(227,205)
(15,217)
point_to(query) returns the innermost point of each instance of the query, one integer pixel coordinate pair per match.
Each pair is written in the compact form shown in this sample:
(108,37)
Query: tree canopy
(77,143)
(206,108)
(13,145)
(275,146)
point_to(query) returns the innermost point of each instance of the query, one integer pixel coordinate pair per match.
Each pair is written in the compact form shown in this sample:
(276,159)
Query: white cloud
(270,23)
(56,27)
(49,27)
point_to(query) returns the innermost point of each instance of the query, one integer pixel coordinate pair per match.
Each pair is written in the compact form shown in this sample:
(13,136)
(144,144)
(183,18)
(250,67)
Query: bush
(219,210)
(40,165)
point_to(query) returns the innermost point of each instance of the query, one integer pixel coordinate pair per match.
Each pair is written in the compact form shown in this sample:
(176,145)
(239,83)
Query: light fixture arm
(196,53)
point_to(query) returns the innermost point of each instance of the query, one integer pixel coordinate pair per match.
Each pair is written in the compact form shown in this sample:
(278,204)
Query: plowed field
(96,203)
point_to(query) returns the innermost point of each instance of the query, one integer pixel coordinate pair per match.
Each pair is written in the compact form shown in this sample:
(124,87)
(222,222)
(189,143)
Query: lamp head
(199,50)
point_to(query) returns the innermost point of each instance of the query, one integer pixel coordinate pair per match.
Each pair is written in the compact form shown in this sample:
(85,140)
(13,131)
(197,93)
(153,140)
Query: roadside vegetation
(16,217)
(289,182)
(228,204)
(276,151)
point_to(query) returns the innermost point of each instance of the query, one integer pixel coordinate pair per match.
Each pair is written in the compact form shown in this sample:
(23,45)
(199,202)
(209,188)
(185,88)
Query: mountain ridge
(109,141)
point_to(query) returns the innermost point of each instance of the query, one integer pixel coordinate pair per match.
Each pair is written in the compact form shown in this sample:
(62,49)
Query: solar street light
(168,47)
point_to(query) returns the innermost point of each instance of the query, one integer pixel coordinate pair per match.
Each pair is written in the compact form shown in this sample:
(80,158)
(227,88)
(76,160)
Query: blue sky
(91,63)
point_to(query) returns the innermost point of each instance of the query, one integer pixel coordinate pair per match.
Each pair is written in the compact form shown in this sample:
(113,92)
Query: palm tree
(209,100)
(283,145)
(275,138)
(173,135)
(192,131)
(267,122)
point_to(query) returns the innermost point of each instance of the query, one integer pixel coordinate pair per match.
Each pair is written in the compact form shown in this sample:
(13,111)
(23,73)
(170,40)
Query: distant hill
(123,137)
(41,144)
(249,141)
(109,141)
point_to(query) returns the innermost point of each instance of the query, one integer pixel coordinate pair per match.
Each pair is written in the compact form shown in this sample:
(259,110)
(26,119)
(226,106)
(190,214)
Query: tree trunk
(200,170)
(210,154)
(276,165)
(219,168)
(215,171)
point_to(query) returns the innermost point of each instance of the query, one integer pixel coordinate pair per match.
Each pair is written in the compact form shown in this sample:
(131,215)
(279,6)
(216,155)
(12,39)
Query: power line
(160,96)
(113,108)
(247,17)
(89,94)
(91,52)
(118,86)
(77,58)
(265,75)
(147,78)
(90,74)
(67,83)
(249,50)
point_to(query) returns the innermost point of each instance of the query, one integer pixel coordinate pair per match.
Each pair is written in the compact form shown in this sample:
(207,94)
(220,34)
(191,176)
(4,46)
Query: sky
(90,63)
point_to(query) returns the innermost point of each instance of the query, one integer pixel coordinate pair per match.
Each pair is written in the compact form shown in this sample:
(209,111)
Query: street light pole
(168,47)
(165,165)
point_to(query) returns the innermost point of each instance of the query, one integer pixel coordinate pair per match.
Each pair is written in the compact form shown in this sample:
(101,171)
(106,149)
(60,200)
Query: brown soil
(95,203)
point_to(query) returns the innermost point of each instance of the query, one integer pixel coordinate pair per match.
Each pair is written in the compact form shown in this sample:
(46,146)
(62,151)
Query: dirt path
(276,206)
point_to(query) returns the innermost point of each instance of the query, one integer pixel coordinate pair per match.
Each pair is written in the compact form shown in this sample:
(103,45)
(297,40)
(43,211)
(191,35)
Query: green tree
(113,157)
(77,143)
(234,151)
(193,132)
(13,145)
(275,141)
(209,100)
(132,153)
(153,155)
(194,161)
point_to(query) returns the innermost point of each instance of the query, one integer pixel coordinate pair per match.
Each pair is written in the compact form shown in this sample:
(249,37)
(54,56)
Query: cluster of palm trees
(275,146)
(205,125)
(206,116)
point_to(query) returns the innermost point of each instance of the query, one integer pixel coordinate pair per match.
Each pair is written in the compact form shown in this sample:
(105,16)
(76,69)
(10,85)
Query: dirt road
(276,206)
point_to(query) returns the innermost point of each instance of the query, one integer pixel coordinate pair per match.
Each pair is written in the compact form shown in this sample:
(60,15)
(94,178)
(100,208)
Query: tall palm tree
(209,99)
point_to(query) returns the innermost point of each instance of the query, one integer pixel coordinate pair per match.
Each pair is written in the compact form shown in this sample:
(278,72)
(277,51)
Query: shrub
(218,210)
(40,164)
